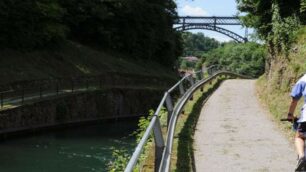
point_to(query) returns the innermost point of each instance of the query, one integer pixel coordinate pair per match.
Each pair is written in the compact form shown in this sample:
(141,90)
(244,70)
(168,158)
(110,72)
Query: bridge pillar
(215,22)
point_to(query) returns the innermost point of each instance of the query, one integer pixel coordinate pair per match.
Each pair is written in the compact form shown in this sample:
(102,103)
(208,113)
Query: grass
(183,150)
(182,153)
(274,90)
(276,102)
(72,59)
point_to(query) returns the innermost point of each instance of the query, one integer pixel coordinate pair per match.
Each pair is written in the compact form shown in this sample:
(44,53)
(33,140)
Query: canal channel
(85,148)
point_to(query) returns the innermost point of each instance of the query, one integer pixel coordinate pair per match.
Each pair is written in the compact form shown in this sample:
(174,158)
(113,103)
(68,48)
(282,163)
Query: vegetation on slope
(73,60)
(276,23)
(195,44)
(58,38)
(247,59)
(281,24)
(274,89)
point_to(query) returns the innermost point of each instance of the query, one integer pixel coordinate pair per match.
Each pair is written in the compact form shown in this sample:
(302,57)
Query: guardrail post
(190,78)
(191,97)
(159,144)
(169,106)
(181,87)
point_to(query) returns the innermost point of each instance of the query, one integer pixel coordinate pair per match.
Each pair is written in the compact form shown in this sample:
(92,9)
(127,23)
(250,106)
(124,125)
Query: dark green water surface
(78,149)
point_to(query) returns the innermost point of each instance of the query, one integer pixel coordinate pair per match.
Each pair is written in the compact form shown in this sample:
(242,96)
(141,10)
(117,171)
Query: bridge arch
(223,31)
(210,23)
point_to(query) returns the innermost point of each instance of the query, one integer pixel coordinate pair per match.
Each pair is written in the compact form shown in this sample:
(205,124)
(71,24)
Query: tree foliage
(196,44)
(247,59)
(30,24)
(277,23)
(263,15)
(139,28)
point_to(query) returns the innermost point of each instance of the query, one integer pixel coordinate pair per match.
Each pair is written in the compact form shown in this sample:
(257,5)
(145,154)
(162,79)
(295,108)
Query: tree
(31,24)
(197,44)
(248,58)
(142,29)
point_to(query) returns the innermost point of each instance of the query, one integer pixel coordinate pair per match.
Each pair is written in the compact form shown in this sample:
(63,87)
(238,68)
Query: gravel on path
(235,134)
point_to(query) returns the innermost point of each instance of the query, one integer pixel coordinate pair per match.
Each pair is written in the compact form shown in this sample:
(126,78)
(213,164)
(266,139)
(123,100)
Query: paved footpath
(235,134)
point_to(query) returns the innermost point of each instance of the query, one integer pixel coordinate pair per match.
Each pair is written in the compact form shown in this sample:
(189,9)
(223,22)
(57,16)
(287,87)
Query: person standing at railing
(297,92)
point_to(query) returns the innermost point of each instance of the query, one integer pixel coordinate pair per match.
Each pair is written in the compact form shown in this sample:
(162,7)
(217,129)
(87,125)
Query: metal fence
(163,149)
(18,93)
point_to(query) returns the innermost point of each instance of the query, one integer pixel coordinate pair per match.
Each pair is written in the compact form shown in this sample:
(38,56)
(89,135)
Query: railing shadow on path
(185,150)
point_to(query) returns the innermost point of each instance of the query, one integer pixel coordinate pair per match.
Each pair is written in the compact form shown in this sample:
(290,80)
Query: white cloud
(211,34)
(194,11)
(222,38)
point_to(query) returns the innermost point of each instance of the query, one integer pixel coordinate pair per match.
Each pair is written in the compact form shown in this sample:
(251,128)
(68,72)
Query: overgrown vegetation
(121,157)
(186,64)
(276,23)
(141,29)
(281,25)
(274,89)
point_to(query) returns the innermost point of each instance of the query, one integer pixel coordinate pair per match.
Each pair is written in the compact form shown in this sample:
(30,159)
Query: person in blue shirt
(298,91)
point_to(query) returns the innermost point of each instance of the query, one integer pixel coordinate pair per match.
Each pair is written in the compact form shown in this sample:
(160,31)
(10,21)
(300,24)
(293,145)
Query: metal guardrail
(163,149)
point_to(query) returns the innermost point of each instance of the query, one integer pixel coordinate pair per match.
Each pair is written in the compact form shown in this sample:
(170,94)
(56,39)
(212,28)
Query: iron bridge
(211,23)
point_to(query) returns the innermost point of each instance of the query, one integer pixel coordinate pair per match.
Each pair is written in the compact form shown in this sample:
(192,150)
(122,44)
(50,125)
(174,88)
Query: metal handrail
(165,163)
(159,142)
(162,149)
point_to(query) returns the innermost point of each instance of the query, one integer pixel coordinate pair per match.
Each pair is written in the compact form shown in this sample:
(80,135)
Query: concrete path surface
(235,134)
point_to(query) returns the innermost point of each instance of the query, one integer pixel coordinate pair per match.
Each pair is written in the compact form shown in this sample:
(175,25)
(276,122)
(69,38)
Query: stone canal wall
(78,108)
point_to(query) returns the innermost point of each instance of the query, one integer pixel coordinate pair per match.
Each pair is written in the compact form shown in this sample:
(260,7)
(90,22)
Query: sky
(211,8)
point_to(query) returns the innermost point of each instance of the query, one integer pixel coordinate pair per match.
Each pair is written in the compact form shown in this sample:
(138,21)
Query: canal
(78,149)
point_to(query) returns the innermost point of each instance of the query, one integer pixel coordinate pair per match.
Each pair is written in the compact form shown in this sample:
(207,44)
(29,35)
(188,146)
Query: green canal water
(78,149)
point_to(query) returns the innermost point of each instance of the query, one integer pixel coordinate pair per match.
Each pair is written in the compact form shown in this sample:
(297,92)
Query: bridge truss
(210,23)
